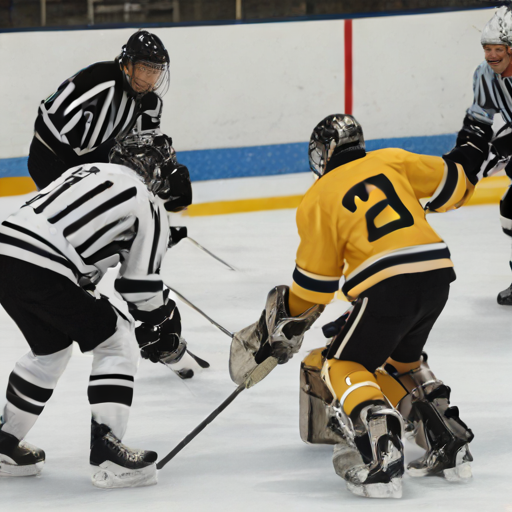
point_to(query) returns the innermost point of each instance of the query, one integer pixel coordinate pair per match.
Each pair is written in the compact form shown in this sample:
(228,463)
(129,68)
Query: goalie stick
(257,375)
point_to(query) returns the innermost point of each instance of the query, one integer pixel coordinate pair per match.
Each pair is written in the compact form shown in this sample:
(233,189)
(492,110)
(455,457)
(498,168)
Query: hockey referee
(78,124)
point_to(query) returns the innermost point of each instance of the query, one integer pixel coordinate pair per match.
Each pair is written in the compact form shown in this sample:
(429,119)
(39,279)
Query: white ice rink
(251,458)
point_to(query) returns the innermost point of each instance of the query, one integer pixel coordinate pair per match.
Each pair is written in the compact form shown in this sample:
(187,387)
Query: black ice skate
(505,297)
(443,434)
(118,465)
(19,458)
(377,433)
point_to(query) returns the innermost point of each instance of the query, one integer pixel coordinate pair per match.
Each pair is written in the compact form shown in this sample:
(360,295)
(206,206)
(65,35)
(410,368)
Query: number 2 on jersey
(392,200)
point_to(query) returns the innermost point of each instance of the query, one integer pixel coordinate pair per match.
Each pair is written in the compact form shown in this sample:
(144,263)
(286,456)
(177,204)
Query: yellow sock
(403,367)
(351,383)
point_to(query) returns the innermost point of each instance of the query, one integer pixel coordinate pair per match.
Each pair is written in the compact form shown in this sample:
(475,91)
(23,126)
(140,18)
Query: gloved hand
(499,155)
(158,341)
(176,234)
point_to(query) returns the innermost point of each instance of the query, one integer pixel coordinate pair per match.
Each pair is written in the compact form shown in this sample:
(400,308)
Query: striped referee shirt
(492,95)
(92,218)
(93,107)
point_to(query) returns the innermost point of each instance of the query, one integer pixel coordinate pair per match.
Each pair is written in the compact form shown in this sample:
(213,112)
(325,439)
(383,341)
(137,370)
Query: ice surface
(251,457)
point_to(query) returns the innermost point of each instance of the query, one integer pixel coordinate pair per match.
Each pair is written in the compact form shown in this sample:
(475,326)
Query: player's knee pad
(119,353)
(425,407)
(45,370)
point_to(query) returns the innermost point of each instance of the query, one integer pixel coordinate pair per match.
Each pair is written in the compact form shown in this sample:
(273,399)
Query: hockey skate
(445,437)
(19,458)
(370,458)
(431,423)
(116,465)
(505,297)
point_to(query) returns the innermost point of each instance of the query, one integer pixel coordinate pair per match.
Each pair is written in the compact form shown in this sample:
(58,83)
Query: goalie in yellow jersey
(362,221)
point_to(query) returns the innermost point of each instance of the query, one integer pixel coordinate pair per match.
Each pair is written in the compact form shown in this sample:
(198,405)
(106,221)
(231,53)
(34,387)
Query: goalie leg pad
(317,416)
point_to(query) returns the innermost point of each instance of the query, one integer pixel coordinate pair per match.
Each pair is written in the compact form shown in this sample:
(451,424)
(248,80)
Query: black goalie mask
(334,135)
(153,158)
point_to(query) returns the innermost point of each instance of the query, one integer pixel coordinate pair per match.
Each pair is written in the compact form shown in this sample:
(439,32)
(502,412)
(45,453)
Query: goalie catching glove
(160,342)
(275,334)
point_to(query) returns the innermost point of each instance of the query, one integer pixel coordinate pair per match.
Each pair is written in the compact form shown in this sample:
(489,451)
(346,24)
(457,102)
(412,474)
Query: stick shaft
(200,427)
(197,244)
(257,375)
(211,320)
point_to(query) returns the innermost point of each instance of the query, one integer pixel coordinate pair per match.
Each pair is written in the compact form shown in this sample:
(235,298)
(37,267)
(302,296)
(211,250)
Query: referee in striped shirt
(78,124)
(492,88)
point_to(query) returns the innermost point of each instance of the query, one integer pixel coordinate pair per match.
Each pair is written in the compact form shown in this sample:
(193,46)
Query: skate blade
(459,473)
(378,490)
(348,463)
(7,470)
(112,476)
(417,472)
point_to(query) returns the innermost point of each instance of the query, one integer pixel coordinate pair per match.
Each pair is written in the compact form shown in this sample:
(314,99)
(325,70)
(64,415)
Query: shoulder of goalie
(276,333)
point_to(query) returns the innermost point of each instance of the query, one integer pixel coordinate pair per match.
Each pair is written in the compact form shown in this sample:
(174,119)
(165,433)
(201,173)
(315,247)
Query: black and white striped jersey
(93,107)
(492,95)
(92,218)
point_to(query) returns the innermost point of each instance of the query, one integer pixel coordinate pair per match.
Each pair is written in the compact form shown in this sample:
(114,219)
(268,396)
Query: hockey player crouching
(55,247)
(362,220)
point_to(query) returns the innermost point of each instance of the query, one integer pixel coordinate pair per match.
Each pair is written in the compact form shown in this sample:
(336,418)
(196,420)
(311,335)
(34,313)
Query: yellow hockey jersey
(363,220)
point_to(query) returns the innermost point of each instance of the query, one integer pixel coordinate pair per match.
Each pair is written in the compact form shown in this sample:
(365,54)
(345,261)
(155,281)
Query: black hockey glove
(475,132)
(499,155)
(178,193)
(471,159)
(157,341)
(176,234)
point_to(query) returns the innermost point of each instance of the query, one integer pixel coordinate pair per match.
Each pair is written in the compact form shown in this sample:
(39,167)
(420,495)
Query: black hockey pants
(50,310)
(393,319)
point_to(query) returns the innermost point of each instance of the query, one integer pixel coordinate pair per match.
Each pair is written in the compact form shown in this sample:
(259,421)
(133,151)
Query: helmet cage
(334,134)
(147,155)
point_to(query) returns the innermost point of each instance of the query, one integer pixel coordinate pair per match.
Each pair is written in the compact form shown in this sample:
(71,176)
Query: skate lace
(122,450)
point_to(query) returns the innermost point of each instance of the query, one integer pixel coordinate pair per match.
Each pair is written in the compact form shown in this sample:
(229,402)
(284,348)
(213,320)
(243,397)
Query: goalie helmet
(146,51)
(333,135)
(153,158)
(498,29)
